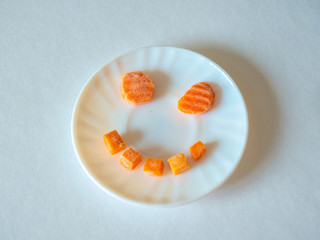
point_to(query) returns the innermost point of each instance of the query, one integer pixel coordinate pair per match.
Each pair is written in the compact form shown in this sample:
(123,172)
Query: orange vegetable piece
(153,167)
(130,158)
(114,142)
(178,164)
(136,88)
(197,150)
(198,99)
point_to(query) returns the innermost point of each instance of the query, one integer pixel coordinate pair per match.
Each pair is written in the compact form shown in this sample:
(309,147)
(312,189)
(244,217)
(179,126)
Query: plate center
(159,130)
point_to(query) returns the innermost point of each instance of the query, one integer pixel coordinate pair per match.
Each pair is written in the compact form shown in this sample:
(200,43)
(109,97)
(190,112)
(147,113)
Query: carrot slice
(136,88)
(178,164)
(197,150)
(130,159)
(114,142)
(198,99)
(153,167)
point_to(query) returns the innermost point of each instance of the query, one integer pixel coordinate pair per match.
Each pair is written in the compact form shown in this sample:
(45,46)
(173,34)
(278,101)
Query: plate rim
(150,204)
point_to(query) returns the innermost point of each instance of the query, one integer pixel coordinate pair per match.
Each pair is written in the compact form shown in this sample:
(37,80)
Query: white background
(49,49)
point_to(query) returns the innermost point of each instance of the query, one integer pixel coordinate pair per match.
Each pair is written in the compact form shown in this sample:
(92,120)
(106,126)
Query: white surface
(158,129)
(48,50)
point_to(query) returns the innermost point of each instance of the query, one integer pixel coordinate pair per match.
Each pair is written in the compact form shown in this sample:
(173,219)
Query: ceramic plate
(158,129)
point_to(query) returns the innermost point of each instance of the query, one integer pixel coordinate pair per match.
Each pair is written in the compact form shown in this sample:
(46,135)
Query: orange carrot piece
(198,99)
(130,158)
(114,142)
(153,167)
(136,88)
(178,164)
(197,150)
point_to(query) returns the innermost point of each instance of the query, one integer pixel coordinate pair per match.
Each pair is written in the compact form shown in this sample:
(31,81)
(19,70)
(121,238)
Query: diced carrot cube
(153,167)
(197,150)
(114,142)
(136,88)
(130,158)
(178,164)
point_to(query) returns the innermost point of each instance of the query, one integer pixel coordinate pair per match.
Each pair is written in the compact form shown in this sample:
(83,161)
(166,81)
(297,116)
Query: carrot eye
(136,88)
(198,99)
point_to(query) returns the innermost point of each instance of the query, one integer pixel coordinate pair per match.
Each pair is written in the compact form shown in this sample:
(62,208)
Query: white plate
(158,129)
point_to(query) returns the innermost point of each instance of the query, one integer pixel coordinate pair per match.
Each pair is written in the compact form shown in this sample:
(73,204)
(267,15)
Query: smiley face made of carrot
(137,88)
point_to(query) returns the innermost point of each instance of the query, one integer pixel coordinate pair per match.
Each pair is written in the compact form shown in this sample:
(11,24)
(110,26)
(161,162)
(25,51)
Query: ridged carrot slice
(136,88)
(198,99)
